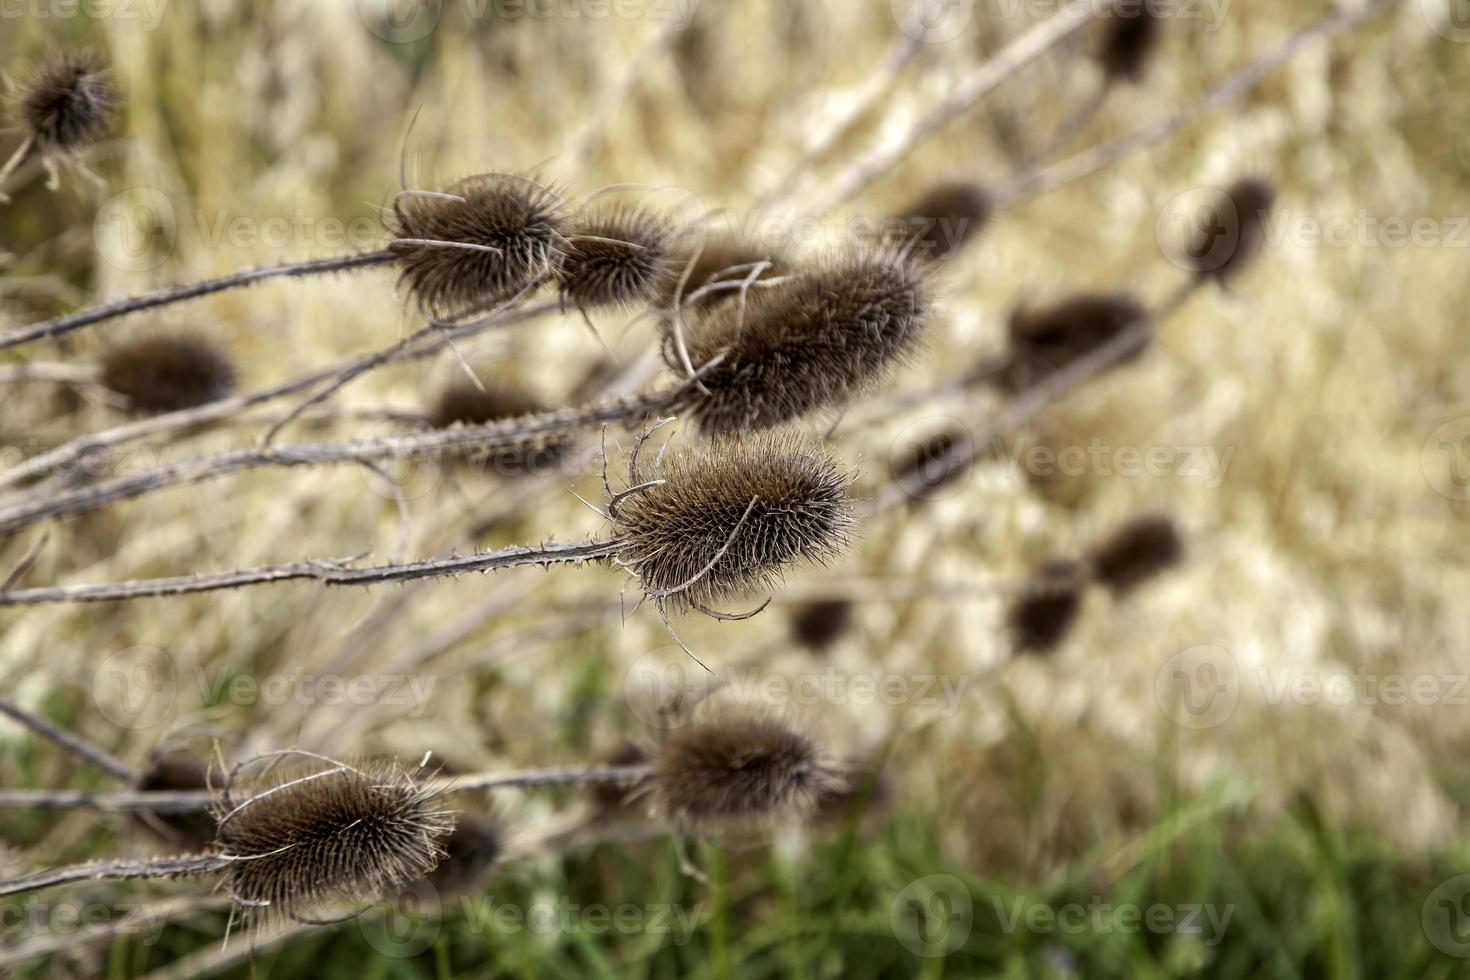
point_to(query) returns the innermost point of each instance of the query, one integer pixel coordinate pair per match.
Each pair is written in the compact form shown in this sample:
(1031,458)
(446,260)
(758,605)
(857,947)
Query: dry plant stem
(1009,60)
(55,373)
(177,294)
(325,572)
(1100,157)
(175,867)
(1072,127)
(100,758)
(20,156)
(67,454)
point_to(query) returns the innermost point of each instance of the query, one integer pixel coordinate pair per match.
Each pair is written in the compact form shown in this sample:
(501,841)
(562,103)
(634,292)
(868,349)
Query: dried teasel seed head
(1046,339)
(721,258)
(814,342)
(741,768)
(167,372)
(464,403)
(730,516)
(1043,615)
(176,770)
(66,103)
(1130,38)
(1138,551)
(482,241)
(942,221)
(472,851)
(818,625)
(1233,233)
(315,840)
(616,257)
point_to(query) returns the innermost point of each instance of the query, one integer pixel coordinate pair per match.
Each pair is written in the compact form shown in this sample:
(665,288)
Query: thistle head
(1138,551)
(721,258)
(464,403)
(1047,339)
(167,372)
(942,220)
(818,625)
(615,257)
(1130,38)
(1043,615)
(812,343)
(67,103)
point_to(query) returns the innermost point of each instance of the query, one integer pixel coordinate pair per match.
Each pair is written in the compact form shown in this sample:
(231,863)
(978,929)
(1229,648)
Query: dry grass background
(1323,548)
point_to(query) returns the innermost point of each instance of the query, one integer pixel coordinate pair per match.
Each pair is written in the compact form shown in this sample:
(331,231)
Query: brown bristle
(1049,338)
(67,103)
(1233,234)
(1042,616)
(611,797)
(739,769)
(942,221)
(463,403)
(174,770)
(1138,551)
(514,215)
(334,835)
(614,257)
(812,343)
(1130,38)
(720,258)
(818,625)
(471,853)
(730,516)
(167,373)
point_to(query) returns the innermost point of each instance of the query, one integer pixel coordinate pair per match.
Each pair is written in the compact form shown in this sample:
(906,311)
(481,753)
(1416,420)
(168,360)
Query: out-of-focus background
(1261,754)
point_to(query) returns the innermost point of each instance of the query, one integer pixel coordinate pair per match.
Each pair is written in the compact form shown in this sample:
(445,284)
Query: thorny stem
(170,867)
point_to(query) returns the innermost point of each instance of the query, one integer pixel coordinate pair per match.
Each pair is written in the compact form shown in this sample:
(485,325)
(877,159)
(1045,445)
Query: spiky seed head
(67,103)
(310,841)
(1234,234)
(615,257)
(512,214)
(471,853)
(1130,37)
(1139,550)
(464,403)
(818,625)
(168,372)
(175,770)
(815,342)
(1042,616)
(722,257)
(1047,339)
(941,221)
(740,768)
(691,541)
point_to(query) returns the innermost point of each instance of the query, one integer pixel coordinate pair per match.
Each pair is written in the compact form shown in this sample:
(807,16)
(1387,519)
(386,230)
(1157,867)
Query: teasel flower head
(615,257)
(66,103)
(1140,550)
(1043,614)
(1047,339)
(167,372)
(938,224)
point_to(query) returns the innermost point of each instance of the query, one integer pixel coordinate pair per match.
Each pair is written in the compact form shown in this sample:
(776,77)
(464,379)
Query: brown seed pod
(721,258)
(1046,339)
(167,373)
(739,769)
(1042,616)
(942,221)
(1233,233)
(818,625)
(463,403)
(335,835)
(67,103)
(481,242)
(725,519)
(175,770)
(1130,38)
(1139,550)
(615,257)
(812,343)
(471,853)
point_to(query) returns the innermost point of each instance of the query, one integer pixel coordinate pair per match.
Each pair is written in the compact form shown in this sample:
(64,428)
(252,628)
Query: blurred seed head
(741,768)
(463,403)
(1238,220)
(818,625)
(1042,616)
(863,792)
(167,373)
(509,213)
(609,798)
(923,470)
(813,343)
(722,258)
(67,102)
(312,841)
(942,221)
(1138,551)
(1047,339)
(1130,38)
(616,257)
(673,531)
(169,770)
(472,852)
